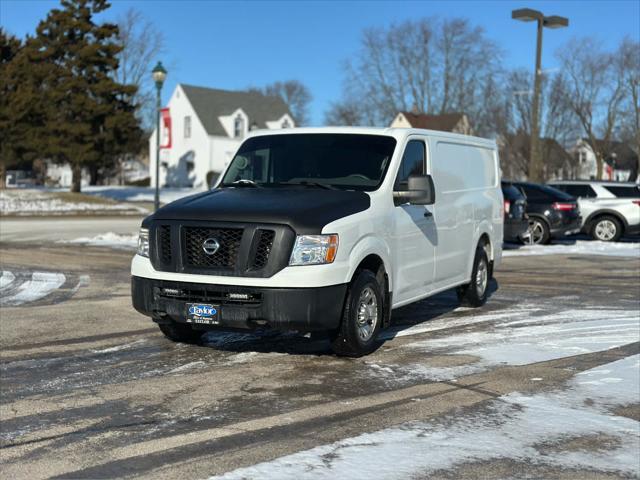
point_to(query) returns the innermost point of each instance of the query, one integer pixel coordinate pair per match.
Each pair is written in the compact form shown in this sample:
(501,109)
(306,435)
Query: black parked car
(552,213)
(516,221)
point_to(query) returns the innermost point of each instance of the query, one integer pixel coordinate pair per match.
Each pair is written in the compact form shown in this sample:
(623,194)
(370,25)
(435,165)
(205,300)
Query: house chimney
(414,109)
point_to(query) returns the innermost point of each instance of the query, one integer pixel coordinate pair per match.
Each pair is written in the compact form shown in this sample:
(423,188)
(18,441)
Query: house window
(238,126)
(187,127)
(286,124)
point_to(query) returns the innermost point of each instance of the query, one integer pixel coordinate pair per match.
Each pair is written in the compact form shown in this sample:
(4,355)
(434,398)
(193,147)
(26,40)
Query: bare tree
(344,113)
(628,61)
(593,91)
(296,95)
(437,66)
(143,44)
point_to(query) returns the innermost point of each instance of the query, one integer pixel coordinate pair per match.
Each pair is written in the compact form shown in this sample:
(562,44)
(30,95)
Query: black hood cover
(306,210)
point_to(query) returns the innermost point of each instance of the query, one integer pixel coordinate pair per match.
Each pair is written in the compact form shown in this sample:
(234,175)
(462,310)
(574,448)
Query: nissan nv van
(324,230)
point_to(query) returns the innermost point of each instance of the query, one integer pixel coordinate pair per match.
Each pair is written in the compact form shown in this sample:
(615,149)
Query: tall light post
(159,74)
(554,21)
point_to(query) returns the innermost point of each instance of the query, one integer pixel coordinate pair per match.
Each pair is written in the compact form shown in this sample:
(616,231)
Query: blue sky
(233,45)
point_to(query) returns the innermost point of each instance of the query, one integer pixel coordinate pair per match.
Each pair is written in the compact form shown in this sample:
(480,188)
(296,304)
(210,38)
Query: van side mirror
(420,191)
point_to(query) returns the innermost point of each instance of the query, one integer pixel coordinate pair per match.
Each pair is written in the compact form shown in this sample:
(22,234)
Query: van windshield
(318,160)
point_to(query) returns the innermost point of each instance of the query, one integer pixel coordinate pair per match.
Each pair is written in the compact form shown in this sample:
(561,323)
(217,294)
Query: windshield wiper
(243,182)
(305,183)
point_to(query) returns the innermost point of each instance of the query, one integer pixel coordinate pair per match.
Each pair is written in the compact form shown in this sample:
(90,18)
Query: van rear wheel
(362,317)
(180,333)
(474,293)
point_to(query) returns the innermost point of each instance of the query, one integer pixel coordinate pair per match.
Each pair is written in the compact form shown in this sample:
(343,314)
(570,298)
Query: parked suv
(552,213)
(516,220)
(609,209)
(324,230)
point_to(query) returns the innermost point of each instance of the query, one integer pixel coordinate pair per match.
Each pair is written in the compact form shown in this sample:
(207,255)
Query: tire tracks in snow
(19,288)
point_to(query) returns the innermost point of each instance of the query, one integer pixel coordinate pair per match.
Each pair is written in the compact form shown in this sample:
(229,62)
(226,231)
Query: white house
(446,122)
(621,162)
(208,126)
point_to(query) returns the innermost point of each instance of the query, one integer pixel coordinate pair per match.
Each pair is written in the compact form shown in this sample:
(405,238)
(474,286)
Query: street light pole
(535,160)
(554,21)
(159,74)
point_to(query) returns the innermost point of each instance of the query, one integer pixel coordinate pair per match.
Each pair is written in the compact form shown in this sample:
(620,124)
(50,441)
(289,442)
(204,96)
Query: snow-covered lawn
(41,202)
(579,247)
(109,239)
(137,194)
(547,429)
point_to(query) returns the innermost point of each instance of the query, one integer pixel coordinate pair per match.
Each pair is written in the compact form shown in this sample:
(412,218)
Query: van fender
(483,228)
(370,245)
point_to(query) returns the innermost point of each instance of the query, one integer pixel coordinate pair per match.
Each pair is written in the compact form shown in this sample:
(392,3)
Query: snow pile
(110,239)
(537,430)
(14,292)
(36,202)
(580,247)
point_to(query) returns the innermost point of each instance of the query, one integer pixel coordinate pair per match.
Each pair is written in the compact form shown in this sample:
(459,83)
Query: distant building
(447,122)
(208,125)
(621,162)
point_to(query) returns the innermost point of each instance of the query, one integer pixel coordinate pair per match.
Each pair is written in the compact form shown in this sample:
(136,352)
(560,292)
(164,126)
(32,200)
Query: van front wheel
(362,317)
(474,293)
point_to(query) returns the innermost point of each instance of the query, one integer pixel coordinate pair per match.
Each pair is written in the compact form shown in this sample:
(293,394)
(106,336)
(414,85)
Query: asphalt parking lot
(542,382)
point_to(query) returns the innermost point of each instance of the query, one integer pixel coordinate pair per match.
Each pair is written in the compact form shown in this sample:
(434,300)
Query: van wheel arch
(375,264)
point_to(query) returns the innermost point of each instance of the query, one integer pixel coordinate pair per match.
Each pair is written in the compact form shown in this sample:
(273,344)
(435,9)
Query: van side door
(414,232)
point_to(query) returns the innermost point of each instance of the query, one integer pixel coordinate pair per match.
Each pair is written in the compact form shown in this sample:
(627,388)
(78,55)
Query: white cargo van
(324,229)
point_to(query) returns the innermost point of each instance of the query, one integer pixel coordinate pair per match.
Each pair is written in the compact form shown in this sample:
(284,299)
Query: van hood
(306,210)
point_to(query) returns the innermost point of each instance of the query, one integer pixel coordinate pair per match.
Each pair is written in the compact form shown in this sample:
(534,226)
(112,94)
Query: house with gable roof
(207,127)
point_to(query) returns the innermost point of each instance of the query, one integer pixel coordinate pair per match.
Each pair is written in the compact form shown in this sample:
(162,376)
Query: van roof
(397,133)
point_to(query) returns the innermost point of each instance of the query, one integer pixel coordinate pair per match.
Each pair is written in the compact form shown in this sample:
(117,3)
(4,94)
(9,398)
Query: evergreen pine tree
(88,117)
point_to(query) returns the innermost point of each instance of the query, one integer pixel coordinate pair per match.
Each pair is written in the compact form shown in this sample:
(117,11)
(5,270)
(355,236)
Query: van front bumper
(301,309)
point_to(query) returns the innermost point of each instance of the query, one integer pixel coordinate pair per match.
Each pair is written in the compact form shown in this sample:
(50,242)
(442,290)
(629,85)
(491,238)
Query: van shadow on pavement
(273,341)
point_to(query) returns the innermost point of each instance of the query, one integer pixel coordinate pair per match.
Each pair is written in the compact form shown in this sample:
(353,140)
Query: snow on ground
(533,429)
(137,194)
(40,202)
(110,239)
(579,247)
(518,336)
(35,287)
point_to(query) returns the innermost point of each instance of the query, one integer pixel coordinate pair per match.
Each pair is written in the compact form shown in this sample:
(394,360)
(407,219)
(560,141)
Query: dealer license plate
(203,313)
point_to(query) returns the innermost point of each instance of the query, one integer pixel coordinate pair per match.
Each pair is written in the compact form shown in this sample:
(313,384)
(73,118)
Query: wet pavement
(91,389)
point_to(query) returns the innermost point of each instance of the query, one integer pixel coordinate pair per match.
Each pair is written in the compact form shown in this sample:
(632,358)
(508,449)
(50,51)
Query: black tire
(474,294)
(606,228)
(538,232)
(180,333)
(348,341)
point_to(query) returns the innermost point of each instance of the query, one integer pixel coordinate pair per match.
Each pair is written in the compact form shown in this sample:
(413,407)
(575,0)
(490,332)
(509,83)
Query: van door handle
(428,214)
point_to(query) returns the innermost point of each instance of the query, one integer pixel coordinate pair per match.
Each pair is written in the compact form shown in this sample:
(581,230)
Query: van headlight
(143,242)
(314,250)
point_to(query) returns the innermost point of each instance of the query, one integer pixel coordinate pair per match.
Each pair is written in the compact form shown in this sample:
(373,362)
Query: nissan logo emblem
(210,246)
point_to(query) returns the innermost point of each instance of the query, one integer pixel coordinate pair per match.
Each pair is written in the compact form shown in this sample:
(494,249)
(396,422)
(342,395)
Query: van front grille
(265,244)
(164,241)
(225,256)
(243,250)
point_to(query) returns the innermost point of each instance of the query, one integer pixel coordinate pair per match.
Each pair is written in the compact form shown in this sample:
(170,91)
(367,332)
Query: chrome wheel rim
(536,232)
(482,278)
(367,314)
(606,230)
